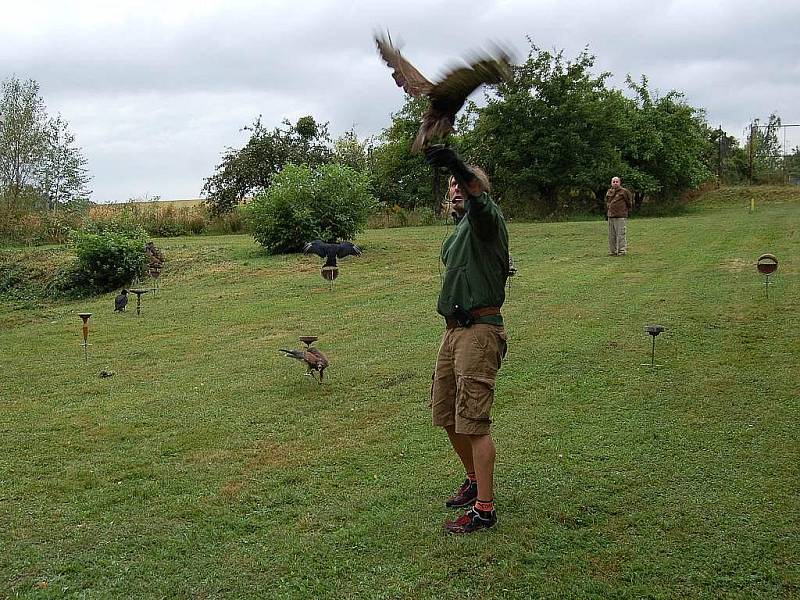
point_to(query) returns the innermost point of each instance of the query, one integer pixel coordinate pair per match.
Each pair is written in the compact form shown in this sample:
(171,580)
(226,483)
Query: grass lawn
(209,466)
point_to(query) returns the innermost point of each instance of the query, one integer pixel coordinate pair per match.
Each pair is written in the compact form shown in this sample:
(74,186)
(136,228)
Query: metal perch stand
(767,264)
(85,318)
(653,330)
(138,292)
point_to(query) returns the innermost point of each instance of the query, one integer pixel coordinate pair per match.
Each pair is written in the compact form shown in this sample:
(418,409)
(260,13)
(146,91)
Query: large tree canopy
(556,134)
(250,169)
(553,127)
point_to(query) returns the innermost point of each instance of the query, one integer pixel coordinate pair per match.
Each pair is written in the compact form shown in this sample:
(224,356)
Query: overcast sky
(155,91)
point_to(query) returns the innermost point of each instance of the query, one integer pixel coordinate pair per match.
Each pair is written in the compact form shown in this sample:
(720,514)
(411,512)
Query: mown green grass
(210,467)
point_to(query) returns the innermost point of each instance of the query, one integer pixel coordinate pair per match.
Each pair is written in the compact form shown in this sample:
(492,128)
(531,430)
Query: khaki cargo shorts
(462,392)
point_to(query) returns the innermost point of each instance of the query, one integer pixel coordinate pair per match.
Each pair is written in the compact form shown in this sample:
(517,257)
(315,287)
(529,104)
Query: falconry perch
(448,95)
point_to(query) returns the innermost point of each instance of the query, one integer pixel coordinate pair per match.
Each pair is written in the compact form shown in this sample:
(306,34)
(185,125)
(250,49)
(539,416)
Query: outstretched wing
(404,73)
(347,249)
(451,92)
(317,247)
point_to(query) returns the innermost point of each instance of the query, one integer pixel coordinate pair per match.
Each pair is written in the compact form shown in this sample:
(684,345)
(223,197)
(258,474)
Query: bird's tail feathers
(298,354)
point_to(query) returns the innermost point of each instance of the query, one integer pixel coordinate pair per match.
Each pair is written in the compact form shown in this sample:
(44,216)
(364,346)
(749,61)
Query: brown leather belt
(486,311)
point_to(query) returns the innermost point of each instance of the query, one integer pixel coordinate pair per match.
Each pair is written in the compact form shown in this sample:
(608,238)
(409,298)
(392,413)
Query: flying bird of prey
(330,252)
(121,301)
(448,95)
(314,359)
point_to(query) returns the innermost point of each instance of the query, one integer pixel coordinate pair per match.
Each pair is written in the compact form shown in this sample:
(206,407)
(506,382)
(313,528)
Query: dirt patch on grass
(735,265)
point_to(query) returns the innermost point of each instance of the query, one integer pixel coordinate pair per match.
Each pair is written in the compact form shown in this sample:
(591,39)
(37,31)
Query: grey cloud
(155,99)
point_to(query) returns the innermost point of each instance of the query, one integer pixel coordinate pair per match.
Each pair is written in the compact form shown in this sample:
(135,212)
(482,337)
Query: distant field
(209,466)
(157,203)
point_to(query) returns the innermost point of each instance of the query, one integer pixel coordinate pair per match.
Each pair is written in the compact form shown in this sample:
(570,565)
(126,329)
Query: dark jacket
(618,202)
(476,260)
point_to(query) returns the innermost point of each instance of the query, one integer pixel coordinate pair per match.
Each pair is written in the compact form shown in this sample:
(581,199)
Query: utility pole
(719,163)
(752,128)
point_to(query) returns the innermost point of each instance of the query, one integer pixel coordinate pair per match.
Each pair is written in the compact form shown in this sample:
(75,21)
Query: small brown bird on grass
(314,359)
(448,95)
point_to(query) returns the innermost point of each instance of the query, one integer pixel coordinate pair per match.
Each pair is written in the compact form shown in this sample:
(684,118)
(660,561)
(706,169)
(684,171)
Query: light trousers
(617,241)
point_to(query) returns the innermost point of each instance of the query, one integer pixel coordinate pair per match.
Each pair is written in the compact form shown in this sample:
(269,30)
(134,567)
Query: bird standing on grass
(314,359)
(121,301)
(448,95)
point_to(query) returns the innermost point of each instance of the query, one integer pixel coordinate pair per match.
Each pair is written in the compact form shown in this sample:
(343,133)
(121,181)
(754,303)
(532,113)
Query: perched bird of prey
(314,359)
(448,95)
(121,301)
(330,252)
(106,373)
(155,258)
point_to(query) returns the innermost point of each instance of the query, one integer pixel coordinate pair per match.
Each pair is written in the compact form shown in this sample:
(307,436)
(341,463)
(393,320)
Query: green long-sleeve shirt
(476,260)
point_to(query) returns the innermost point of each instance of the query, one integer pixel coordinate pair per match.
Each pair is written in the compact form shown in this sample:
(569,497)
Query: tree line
(551,138)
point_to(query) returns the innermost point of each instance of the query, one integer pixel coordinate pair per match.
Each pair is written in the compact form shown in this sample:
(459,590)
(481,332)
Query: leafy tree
(400,177)
(554,135)
(793,164)
(23,138)
(765,149)
(63,172)
(348,150)
(551,129)
(330,202)
(251,169)
(666,144)
(725,157)
(39,161)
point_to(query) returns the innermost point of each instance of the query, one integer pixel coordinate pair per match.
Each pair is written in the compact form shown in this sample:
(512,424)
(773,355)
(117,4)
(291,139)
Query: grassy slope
(208,466)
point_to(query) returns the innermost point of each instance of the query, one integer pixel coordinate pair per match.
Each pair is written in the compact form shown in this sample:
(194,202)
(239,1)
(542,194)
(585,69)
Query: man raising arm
(474,342)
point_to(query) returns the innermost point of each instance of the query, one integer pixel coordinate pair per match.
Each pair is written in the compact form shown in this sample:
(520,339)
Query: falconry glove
(442,156)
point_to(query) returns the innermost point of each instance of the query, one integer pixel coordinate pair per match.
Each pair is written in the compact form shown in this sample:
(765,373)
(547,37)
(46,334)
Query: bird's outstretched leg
(310,373)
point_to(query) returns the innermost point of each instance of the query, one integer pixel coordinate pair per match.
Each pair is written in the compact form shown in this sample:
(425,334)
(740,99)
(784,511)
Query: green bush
(302,204)
(108,259)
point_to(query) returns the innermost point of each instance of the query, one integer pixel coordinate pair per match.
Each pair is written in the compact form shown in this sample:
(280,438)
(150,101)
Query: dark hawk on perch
(330,252)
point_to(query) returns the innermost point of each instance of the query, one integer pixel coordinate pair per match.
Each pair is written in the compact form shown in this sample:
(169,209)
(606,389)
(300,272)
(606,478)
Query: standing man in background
(618,202)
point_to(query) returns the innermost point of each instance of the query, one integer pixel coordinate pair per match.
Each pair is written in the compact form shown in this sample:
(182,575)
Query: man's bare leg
(462,445)
(483,454)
